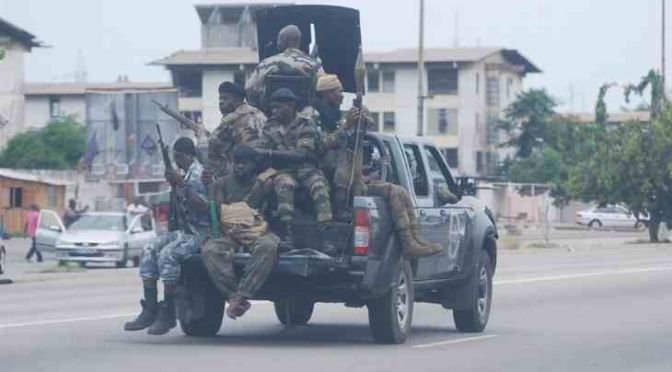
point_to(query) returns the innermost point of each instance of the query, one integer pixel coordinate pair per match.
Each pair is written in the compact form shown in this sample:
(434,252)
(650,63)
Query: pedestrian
(29,229)
(136,207)
(72,214)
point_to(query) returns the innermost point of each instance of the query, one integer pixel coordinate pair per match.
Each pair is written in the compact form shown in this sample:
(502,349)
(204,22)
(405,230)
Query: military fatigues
(290,62)
(242,126)
(243,228)
(302,135)
(162,259)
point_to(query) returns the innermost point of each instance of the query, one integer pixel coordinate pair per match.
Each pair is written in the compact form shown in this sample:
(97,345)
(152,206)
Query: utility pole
(662,49)
(421,69)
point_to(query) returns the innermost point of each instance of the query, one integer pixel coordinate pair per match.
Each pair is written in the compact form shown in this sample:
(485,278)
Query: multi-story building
(14,44)
(466,89)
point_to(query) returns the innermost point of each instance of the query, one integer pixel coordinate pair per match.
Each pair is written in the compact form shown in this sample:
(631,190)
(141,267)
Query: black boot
(145,318)
(286,237)
(165,320)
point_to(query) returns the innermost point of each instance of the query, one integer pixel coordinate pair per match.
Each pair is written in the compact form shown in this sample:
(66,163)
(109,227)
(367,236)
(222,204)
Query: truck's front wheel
(294,311)
(390,317)
(476,317)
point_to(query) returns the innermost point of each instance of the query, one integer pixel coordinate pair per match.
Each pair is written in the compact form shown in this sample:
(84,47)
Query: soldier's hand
(174,177)
(206,176)
(351,118)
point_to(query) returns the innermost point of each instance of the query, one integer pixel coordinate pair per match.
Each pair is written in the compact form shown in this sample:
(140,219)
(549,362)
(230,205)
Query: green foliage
(59,145)
(527,119)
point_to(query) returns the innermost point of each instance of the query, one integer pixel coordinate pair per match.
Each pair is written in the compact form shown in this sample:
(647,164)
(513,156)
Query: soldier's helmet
(284,95)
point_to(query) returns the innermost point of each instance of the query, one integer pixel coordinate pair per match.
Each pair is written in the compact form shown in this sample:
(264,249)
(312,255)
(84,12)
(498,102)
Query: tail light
(362,232)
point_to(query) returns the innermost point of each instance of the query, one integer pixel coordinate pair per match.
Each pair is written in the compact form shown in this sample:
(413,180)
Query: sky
(579,44)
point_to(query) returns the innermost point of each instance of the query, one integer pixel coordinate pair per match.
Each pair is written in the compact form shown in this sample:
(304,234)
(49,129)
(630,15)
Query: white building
(466,89)
(14,44)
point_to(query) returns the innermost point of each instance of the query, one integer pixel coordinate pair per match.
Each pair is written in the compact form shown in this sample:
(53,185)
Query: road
(601,306)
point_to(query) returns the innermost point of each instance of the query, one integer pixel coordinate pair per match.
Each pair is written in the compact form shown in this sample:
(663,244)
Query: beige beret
(328,82)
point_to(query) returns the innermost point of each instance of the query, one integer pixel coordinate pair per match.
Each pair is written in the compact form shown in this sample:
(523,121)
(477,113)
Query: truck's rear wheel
(476,317)
(294,311)
(206,325)
(390,317)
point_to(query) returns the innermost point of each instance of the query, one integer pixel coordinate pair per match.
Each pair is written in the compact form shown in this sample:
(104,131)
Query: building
(466,89)
(45,102)
(15,43)
(19,190)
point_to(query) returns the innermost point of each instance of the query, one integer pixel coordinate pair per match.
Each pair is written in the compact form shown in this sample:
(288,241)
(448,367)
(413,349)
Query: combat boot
(145,319)
(165,320)
(286,237)
(414,247)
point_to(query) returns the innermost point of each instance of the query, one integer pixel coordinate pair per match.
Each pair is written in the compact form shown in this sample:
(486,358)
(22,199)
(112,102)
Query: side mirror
(467,186)
(55,228)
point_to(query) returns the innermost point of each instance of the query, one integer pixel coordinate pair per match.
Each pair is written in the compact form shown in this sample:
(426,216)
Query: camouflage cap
(284,95)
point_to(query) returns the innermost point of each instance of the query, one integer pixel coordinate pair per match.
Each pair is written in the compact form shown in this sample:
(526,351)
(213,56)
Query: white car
(113,237)
(609,216)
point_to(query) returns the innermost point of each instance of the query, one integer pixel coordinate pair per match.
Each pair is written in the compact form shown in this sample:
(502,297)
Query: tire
(594,223)
(3,258)
(209,324)
(294,311)
(476,317)
(640,225)
(136,261)
(390,317)
(121,264)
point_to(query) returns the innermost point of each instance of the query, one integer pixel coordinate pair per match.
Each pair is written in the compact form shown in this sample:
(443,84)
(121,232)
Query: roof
(236,56)
(36,89)
(617,117)
(31,177)
(22,36)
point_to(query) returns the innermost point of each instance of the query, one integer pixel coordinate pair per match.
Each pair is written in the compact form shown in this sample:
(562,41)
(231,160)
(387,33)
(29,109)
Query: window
(509,87)
(149,187)
(418,172)
(146,222)
(373,80)
(442,80)
(478,83)
(389,124)
(451,157)
(189,83)
(239,78)
(51,196)
(388,81)
(440,174)
(492,91)
(442,121)
(491,160)
(376,121)
(54,107)
(15,197)
(479,162)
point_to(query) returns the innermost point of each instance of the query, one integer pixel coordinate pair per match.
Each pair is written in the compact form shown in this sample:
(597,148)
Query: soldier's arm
(247,131)
(254,87)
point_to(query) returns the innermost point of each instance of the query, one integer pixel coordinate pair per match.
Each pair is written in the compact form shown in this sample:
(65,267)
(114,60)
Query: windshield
(99,222)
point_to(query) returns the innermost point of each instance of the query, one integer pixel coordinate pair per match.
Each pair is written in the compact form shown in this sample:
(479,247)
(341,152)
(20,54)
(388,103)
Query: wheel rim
(483,294)
(402,302)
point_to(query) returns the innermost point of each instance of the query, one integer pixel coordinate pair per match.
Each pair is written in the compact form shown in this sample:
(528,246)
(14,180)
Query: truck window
(440,174)
(418,171)
(392,175)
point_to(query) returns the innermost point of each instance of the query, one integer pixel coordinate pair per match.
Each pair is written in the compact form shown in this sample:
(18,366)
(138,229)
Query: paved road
(605,306)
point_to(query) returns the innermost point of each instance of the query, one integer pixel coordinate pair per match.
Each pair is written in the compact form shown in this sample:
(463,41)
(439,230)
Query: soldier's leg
(149,273)
(319,192)
(218,255)
(263,251)
(284,185)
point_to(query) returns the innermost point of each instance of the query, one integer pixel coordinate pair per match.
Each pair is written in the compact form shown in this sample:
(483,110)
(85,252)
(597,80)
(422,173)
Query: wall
(11,91)
(37,113)
(33,193)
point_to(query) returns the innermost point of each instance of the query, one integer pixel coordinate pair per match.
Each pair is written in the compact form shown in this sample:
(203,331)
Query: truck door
(450,227)
(49,228)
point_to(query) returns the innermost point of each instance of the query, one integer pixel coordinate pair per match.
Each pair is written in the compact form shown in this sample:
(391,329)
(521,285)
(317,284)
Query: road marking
(457,341)
(64,321)
(582,275)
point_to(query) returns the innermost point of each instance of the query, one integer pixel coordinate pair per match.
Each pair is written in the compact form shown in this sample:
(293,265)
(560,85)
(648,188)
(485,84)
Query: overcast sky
(579,44)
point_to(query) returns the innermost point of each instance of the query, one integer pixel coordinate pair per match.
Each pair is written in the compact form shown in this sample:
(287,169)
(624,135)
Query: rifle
(356,171)
(198,129)
(176,213)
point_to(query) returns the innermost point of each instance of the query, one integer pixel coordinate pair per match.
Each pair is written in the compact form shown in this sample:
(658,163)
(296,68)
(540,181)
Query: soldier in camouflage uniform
(290,61)
(241,124)
(241,196)
(162,259)
(291,142)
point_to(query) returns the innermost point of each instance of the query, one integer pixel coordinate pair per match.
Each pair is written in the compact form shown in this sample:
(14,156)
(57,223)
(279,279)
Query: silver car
(113,237)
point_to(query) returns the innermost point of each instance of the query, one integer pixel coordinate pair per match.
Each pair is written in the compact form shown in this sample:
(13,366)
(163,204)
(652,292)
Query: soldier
(241,124)
(162,259)
(290,61)
(291,142)
(241,196)
(337,134)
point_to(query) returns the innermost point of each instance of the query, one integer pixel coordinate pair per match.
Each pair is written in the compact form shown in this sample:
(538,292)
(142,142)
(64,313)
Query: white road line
(64,321)
(582,275)
(450,342)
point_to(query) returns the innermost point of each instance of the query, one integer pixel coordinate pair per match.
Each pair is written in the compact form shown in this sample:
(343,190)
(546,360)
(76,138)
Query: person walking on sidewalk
(29,229)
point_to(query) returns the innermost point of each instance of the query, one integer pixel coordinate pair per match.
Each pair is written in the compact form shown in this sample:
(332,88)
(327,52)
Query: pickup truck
(360,264)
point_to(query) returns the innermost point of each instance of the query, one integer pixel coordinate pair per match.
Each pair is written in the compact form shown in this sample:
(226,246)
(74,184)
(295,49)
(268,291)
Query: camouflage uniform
(242,126)
(162,259)
(251,235)
(289,62)
(302,134)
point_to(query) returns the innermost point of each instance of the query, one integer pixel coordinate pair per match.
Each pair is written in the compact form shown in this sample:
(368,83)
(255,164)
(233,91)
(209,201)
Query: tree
(59,145)
(527,119)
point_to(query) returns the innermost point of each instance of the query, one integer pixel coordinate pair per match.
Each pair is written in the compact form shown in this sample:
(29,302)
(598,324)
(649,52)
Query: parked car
(114,237)
(360,264)
(610,216)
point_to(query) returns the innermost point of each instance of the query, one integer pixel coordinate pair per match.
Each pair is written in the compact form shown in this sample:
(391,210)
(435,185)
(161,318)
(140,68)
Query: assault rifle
(176,214)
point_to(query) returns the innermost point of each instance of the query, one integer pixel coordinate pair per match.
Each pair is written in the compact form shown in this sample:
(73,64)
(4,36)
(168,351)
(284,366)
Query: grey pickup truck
(360,264)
